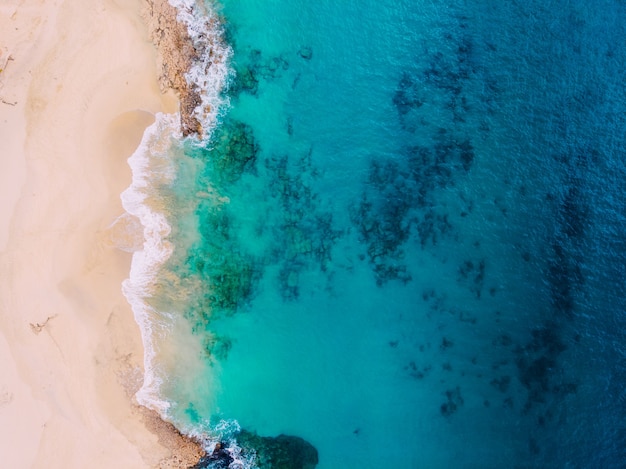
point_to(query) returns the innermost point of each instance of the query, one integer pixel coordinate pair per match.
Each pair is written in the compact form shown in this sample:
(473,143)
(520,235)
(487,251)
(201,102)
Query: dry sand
(78,86)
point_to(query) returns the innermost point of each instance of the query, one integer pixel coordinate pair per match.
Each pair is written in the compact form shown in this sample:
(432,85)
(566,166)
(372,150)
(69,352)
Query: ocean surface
(401,238)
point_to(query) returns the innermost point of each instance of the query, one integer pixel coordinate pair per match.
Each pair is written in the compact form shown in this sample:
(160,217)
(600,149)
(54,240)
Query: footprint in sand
(5,397)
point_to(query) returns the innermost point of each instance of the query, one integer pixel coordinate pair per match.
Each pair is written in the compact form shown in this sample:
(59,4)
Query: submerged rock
(233,152)
(281,452)
(245,80)
(306,53)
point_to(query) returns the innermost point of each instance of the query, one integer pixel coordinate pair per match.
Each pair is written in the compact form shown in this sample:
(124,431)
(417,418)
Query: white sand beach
(78,86)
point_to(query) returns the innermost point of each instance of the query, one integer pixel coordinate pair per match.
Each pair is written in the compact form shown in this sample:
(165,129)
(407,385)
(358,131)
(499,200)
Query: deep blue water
(414,253)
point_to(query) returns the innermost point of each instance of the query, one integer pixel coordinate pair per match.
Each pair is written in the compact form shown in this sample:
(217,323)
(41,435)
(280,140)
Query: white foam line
(151,166)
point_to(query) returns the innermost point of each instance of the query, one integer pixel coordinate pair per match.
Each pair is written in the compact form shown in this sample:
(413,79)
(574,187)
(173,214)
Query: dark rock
(281,452)
(306,53)
(220,458)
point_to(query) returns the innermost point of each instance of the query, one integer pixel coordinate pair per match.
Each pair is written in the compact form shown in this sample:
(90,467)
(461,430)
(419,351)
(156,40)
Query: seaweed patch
(303,232)
(454,401)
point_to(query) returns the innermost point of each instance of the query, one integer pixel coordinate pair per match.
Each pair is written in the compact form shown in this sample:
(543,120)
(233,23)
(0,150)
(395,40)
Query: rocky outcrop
(281,452)
(175,55)
(184,451)
(220,458)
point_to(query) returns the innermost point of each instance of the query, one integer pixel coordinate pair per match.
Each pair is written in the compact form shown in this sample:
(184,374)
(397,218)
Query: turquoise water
(403,242)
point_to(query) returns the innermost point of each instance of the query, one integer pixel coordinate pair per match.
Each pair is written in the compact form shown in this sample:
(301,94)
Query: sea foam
(151,167)
(209,73)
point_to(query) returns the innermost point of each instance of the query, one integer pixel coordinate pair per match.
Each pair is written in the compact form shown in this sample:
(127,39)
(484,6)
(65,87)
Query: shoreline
(78,91)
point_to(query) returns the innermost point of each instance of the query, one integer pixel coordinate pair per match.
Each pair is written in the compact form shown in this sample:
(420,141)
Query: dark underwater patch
(472,274)
(217,347)
(245,80)
(227,274)
(306,52)
(254,68)
(399,201)
(303,233)
(454,401)
(400,197)
(444,79)
(232,151)
(408,94)
(538,363)
(281,452)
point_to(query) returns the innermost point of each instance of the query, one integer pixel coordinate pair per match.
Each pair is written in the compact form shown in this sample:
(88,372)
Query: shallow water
(403,242)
